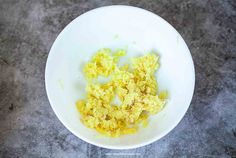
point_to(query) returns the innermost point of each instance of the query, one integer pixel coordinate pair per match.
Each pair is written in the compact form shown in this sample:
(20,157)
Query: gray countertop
(29,127)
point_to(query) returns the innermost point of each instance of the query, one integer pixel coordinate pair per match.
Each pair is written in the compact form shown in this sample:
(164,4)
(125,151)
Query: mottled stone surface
(29,127)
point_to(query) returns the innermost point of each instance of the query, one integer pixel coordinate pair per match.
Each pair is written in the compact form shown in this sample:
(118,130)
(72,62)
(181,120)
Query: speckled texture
(29,127)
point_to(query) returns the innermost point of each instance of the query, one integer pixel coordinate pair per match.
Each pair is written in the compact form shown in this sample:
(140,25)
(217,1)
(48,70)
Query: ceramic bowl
(137,30)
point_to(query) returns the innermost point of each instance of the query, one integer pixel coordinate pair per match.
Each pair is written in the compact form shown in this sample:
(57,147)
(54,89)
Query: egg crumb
(136,88)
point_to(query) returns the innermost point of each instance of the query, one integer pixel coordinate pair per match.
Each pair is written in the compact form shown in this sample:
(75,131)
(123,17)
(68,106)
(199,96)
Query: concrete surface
(29,127)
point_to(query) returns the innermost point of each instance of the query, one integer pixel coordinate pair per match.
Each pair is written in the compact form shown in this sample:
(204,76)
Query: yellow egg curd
(135,85)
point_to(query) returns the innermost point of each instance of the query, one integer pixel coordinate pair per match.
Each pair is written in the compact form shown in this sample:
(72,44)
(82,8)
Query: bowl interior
(138,31)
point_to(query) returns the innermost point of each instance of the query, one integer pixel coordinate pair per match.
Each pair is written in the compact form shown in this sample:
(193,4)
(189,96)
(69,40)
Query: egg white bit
(116,101)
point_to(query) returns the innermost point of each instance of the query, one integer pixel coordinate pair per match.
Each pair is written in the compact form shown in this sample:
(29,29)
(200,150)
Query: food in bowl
(134,85)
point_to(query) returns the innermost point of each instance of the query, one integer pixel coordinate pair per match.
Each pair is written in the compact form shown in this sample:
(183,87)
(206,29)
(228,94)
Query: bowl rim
(166,131)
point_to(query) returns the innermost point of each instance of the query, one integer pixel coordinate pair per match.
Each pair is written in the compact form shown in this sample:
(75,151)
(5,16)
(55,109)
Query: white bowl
(115,27)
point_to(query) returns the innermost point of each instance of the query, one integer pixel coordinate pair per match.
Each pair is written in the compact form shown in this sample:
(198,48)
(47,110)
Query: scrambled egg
(135,85)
